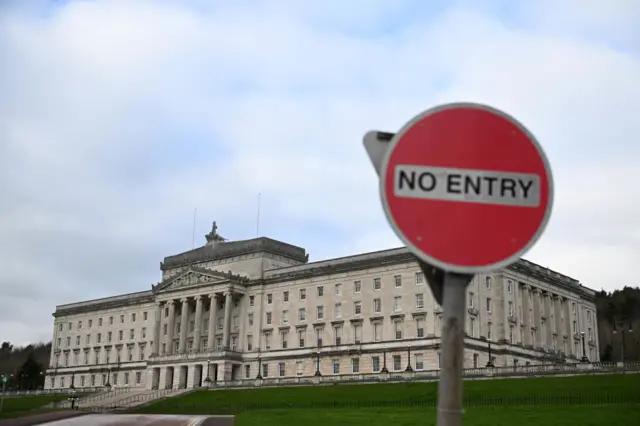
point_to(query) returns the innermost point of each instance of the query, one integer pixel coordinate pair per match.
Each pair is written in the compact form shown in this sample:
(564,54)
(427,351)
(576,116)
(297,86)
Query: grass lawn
(591,415)
(25,405)
(560,392)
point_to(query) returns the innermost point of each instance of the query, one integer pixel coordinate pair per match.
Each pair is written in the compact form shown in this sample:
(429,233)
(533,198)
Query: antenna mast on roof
(193,231)
(258,219)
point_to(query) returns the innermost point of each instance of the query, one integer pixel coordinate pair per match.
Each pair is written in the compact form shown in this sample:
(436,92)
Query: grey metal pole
(452,350)
(4,385)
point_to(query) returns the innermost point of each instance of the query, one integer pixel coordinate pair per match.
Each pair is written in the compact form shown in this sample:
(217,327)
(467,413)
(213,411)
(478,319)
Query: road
(143,420)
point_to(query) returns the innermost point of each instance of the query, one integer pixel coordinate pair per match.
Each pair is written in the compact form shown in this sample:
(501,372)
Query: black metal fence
(426,403)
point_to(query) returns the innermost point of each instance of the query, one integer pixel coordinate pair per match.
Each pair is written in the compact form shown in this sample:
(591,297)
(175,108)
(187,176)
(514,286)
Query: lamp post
(622,344)
(384,360)
(108,384)
(317,373)
(259,376)
(207,380)
(490,362)
(409,369)
(584,349)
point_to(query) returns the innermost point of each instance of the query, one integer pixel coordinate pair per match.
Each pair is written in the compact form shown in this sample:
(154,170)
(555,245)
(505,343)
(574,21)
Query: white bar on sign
(466,185)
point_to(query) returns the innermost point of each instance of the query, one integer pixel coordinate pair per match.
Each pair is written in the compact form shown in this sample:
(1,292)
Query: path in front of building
(41,418)
(136,420)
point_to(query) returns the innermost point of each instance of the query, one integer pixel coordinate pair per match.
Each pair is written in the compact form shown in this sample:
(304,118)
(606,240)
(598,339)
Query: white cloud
(118,118)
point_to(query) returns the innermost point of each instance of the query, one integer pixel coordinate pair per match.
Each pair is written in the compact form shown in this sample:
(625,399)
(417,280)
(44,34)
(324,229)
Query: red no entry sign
(466,187)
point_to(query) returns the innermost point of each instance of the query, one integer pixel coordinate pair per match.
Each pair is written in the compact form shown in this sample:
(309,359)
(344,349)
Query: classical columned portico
(184,318)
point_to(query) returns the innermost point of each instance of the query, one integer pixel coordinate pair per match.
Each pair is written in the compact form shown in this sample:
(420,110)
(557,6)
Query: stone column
(213,312)
(537,318)
(547,312)
(526,330)
(156,329)
(567,326)
(197,333)
(228,305)
(184,319)
(171,326)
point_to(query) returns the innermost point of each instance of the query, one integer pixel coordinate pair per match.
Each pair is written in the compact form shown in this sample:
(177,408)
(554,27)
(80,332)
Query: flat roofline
(104,299)
(396,250)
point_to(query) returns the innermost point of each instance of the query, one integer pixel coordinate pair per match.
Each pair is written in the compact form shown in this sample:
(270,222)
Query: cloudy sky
(118,118)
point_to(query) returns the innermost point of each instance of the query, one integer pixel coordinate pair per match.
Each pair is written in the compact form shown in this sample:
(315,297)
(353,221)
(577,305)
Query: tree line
(618,331)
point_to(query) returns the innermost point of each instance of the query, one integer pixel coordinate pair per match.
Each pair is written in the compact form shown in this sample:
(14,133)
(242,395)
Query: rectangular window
(420,301)
(355,365)
(420,322)
(419,361)
(337,310)
(357,286)
(338,289)
(397,281)
(419,278)
(357,308)
(377,306)
(302,314)
(375,364)
(285,317)
(397,303)
(336,366)
(303,294)
(269,299)
(489,306)
(377,284)
(320,291)
(285,296)
(357,333)
(397,325)
(320,312)
(377,332)
(397,362)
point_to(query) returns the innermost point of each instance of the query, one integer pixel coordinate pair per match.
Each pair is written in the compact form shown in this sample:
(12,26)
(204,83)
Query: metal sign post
(4,386)
(468,189)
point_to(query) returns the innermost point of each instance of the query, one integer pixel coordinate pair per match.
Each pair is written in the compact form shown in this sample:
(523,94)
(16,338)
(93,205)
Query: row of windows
(338,335)
(79,324)
(338,311)
(338,289)
(86,358)
(98,338)
(97,380)
(574,306)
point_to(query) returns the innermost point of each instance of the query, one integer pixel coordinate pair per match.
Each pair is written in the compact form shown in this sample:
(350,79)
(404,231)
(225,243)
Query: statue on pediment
(213,237)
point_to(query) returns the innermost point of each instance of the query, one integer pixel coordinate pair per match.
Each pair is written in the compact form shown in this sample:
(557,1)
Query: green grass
(563,391)
(26,405)
(593,415)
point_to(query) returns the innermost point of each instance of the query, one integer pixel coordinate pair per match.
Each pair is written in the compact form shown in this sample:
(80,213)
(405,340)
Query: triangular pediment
(192,277)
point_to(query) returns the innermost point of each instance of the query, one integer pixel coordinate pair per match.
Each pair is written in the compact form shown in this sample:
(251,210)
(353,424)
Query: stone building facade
(236,310)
